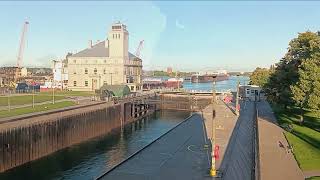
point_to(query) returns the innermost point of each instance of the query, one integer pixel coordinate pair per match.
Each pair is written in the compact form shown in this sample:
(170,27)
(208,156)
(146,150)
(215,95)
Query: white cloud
(179,25)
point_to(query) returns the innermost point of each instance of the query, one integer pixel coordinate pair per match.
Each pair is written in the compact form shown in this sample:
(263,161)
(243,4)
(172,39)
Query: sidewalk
(275,162)
(237,162)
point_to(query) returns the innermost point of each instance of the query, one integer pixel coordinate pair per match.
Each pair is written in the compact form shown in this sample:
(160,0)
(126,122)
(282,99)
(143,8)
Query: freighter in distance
(220,75)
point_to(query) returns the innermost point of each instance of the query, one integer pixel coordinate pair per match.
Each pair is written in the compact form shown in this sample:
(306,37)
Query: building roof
(115,90)
(98,50)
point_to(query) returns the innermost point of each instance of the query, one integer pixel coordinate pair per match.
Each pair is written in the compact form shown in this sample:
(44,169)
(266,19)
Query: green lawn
(69,93)
(27,99)
(314,178)
(305,138)
(38,108)
(41,97)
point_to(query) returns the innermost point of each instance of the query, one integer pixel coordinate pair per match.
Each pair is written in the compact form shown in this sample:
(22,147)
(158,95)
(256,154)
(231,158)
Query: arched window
(95,71)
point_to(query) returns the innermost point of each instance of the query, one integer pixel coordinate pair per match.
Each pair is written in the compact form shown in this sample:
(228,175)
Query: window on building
(86,83)
(86,71)
(113,36)
(95,71)
(104,71)
(74,61)
(105,61)
(74,83)
(105,82)
(119,36)
(132,88)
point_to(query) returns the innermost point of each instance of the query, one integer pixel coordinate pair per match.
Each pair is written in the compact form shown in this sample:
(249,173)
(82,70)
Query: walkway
(275,162)
(237,162)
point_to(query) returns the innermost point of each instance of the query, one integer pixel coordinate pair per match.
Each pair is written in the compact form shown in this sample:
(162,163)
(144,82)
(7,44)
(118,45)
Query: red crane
(139,48)
(22,43)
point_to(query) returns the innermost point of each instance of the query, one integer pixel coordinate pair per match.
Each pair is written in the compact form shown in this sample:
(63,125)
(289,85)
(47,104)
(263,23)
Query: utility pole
(52,92)
(213,171)
(9,104)
(237,97)
(111,77)
(33,96)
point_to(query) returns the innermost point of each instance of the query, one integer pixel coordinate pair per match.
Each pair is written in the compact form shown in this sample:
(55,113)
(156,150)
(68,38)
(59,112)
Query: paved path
(311,173)
(238,159)
(275,162)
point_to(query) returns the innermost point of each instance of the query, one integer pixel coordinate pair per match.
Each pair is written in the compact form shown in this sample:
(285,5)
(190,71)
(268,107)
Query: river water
(92,158)
(230,84)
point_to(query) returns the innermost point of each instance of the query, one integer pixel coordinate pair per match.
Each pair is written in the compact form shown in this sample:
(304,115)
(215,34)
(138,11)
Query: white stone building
(60,74)
(107,62)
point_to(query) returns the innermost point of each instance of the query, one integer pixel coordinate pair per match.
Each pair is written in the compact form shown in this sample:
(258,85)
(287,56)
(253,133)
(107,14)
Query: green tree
(260,77)
(286,73)
(306,92)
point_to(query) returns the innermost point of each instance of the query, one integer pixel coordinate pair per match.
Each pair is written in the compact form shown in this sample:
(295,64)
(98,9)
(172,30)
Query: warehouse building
(107,62)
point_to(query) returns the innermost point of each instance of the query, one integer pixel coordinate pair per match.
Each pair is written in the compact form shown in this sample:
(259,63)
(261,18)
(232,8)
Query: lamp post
(213,171)
(111,77)
(9,104)
(52,91)
(237,97)
(33,96)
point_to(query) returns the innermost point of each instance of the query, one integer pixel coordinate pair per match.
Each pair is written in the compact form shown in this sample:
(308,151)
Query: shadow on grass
(291,115)
(311,140)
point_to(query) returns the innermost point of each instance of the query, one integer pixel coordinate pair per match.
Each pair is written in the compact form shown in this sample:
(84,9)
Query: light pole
(9,104)
(213,171)
(33,96)
(237,97)
(52,91)
(111,77)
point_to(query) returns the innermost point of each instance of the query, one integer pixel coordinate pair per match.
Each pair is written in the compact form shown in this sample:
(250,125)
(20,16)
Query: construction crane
(22,44)
(139,49)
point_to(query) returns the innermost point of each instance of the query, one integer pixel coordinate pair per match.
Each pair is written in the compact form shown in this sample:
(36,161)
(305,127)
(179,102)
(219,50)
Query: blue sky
(190,35)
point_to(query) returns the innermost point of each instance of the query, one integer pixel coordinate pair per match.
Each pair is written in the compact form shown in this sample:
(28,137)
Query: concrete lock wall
(25,143)
(184,102)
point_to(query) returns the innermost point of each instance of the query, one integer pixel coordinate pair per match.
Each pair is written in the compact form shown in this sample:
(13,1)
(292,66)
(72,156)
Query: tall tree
(286,73)
(260,77)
